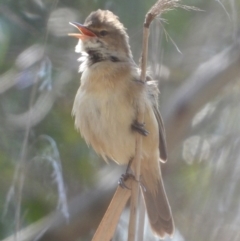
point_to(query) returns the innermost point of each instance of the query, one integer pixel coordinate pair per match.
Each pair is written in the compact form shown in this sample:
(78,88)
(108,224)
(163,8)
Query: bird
(105,109)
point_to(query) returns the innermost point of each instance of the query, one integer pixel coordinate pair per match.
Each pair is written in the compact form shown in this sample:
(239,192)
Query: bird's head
(102,33)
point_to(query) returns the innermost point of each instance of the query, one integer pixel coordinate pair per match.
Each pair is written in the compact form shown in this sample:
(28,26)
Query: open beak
(84,31)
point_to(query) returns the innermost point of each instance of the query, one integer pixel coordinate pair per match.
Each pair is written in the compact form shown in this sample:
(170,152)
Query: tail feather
(158,209)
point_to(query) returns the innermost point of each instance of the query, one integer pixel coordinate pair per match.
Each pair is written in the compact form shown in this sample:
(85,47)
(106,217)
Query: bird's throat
(95,56)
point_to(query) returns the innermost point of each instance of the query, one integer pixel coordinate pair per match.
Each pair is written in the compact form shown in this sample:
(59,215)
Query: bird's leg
(140,128)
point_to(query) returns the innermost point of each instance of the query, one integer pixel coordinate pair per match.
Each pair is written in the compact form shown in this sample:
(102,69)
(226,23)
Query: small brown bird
(105,109)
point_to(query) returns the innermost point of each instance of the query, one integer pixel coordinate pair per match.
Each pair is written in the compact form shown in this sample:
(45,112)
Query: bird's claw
(123,179)
(140,128)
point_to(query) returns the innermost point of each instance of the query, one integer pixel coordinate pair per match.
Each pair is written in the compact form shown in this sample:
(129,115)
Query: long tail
(158,209)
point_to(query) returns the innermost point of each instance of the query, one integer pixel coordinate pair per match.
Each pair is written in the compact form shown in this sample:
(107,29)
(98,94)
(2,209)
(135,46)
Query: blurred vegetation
(41,154)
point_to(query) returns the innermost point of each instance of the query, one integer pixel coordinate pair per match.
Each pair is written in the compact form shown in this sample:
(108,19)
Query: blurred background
(52,186)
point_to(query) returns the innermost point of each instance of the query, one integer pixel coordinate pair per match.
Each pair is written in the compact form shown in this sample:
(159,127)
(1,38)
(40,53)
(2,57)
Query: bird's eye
(103,33)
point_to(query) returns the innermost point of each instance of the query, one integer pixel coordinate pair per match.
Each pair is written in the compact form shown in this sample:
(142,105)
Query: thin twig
(159,7)
(141,220)
(154,11)
(138,150)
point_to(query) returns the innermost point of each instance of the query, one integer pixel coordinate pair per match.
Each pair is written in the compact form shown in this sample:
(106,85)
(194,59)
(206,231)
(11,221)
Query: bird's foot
(124,177)
(140,128)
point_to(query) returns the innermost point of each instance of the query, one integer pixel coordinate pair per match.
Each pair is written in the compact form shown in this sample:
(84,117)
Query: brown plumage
(105,109)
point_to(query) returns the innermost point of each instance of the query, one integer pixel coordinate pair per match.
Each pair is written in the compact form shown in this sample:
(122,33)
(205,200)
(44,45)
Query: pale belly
(105,123)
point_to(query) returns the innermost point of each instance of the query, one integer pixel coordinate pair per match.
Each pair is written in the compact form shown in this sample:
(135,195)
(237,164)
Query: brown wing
(162,136)
(153,95)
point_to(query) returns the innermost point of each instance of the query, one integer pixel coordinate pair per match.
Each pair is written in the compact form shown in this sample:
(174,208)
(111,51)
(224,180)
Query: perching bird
(105,109)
